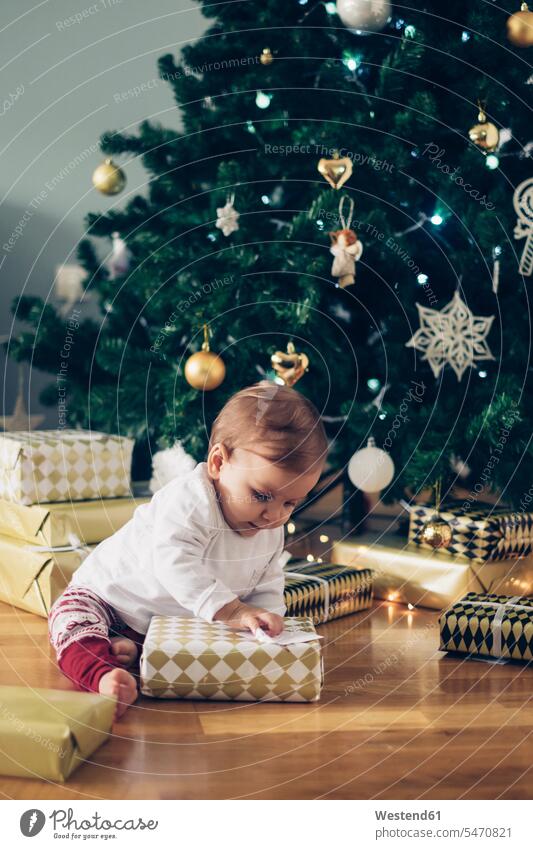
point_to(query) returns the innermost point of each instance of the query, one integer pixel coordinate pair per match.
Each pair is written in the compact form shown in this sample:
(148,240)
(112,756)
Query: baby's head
(266,452)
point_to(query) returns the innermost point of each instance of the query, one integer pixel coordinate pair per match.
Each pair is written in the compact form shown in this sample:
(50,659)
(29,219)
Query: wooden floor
(397,720)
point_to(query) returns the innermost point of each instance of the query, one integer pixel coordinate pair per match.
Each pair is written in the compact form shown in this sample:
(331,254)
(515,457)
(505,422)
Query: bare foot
(121,684)
(124,650)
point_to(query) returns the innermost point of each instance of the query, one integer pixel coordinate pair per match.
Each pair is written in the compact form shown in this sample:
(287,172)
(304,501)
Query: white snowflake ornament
(453,336)
(227,217)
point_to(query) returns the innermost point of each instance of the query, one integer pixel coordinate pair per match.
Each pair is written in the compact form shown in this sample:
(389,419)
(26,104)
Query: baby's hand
(240,615)
(256,618)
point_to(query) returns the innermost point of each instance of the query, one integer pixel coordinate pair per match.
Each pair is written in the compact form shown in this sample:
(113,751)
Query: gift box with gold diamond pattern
(325,591)
(489,625)
(63,465)
(193,659)
(478,535)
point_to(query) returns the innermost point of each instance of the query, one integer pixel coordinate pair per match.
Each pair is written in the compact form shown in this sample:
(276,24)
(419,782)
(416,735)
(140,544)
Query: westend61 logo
(66,826)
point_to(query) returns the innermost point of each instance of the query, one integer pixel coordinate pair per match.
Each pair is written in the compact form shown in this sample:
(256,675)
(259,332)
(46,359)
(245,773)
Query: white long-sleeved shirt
(177,556)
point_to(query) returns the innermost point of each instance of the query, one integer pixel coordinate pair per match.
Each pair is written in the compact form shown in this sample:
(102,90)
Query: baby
(208,544)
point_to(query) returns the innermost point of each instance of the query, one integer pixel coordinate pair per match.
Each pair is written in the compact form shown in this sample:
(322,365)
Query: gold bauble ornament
(336,170)
(266,57)
(289,366)
(205,370)
(437,533)
(520,27)
(485,134)
(108,178)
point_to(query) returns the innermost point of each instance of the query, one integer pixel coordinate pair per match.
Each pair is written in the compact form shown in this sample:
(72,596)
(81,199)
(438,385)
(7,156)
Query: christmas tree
(271,89)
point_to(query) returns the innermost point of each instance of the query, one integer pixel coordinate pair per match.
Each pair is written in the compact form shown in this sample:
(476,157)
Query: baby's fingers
(251,622)
(271,623)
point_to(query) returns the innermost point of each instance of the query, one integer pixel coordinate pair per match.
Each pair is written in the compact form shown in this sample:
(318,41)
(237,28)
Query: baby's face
(255,494)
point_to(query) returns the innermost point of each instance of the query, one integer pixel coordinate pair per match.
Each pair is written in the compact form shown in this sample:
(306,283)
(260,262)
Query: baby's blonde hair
(274,421)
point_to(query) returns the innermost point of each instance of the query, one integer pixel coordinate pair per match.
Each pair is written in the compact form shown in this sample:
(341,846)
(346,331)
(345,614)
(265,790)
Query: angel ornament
(120,258)
(345,247)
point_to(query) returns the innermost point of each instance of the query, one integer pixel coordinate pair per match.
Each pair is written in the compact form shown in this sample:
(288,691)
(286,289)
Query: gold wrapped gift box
(489,625)
(479,535)
(325,591)
(44,466)
(410,575)
(49,733)
(193,659)
(64,523)
(32,577)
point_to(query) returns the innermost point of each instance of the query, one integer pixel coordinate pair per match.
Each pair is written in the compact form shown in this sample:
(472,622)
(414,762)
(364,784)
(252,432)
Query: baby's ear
(218,455)
(214,461)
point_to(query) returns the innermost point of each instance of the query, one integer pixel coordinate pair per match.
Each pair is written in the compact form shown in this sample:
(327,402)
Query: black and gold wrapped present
(489,625)
(32,577)
(478,535)
(325,591)
(66,523)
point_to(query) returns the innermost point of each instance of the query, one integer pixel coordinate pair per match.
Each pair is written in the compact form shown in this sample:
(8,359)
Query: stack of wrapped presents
(482,583)
(61,492)
(489,552)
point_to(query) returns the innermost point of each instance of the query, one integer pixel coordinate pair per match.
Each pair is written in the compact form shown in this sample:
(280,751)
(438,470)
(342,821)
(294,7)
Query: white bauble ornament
(371,469)
(361,16)
(168,464)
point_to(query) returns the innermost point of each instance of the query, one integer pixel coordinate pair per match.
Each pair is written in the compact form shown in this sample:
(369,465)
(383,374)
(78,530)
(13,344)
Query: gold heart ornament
(336,170)
(289,366)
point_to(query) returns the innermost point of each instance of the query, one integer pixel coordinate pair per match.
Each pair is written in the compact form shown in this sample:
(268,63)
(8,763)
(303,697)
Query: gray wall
(63,84)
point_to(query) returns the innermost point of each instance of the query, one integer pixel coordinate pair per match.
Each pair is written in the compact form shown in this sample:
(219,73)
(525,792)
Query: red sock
(86,660)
